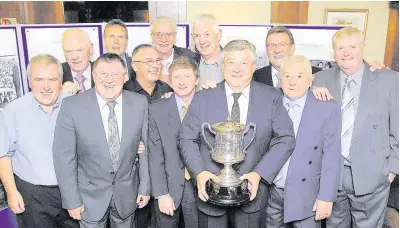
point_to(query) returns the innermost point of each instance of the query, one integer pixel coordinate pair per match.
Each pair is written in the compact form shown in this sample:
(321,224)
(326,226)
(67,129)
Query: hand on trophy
(202,179)
(253,181)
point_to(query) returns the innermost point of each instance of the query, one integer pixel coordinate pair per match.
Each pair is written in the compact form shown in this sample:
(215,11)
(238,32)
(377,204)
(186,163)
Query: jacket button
(310,162)
(304,179)
(112,173)
(182,185)
(372,151)
(113,183)
(375,126)
(315,148)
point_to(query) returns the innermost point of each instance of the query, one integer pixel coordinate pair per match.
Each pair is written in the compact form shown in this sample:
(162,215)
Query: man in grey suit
(306,187)
(95,147)
(170,181)
(246,102)
(370,132)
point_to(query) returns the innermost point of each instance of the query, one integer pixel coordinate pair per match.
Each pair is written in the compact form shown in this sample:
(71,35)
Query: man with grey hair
(245,101)
(116,41)
(77,70)
(280,45)
(26,159)
(163,36)
(303,192)
(206,35)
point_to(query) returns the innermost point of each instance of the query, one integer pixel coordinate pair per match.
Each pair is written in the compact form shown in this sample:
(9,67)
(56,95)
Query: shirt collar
(179,102)
(85,73)
(356,76)
(103,103)
(139,87)
(274,71)
(56,105)
(301,101)
(245,92)
(170,58)
(217,63)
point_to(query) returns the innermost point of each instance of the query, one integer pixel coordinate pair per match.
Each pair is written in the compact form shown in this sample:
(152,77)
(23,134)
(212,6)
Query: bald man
(78,69)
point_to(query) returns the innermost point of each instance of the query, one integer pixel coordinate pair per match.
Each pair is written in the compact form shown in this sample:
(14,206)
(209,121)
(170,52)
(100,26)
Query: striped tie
(81,82)
(348,116)
(113,134)
(235,113)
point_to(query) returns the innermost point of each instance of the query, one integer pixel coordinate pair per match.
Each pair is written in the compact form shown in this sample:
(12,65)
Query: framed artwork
(357,18)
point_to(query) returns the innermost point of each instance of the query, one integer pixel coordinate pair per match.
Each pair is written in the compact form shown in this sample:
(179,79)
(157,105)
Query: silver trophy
(228,150)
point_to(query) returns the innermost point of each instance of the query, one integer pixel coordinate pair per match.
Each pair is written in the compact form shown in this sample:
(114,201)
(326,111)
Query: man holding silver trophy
(254,110)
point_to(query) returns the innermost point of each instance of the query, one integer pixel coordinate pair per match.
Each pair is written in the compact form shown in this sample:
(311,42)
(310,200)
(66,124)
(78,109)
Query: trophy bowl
(228,150)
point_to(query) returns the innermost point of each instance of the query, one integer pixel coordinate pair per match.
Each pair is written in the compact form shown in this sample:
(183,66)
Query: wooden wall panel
(33,12)
(392,40)
(289,12)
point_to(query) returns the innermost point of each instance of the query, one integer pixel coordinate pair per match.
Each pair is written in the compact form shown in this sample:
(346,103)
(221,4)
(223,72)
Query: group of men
(127,149)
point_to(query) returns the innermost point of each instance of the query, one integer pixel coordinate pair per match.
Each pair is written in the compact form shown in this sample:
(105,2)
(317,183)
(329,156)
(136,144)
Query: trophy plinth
(228,150)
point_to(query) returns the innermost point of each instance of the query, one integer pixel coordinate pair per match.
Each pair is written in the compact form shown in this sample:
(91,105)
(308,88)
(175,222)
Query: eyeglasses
(150,62)
(281,45)
(104,75)
(167,35)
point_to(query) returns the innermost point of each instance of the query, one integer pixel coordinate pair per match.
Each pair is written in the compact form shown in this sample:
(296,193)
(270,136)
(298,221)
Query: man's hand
(253,182)
(142,200)
(376,66)
(202,178)
(76,212)
(167,95)
(322,94)
(391,177)
(16,202)
(209,84)
(141,148)
(323,209)
(166,205)
(70,87)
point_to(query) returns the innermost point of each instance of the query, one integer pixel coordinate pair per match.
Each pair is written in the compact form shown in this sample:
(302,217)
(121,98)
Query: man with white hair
(370,132)
(77,70)
(163,36)
(206,35)
(304,190)
(26,159)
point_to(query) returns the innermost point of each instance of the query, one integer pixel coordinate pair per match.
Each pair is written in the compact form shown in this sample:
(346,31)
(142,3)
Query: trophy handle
(252,137)
(204,135)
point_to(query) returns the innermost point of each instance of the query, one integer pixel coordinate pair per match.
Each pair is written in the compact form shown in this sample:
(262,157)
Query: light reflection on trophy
(228,150)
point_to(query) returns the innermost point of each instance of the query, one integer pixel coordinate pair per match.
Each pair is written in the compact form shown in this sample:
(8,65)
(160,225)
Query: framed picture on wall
(357,18)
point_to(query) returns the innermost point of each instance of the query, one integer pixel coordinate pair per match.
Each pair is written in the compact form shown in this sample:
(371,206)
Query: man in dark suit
(116,41)
(163,36)
(304,190)
(280,44)
(370,132)
(246,102)
(171,184)
(95,142)
(77,70)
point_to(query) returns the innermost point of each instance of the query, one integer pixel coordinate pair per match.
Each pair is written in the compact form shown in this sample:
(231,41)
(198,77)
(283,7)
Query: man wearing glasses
(280,44)
(163,37)
(95,147)
(146,62)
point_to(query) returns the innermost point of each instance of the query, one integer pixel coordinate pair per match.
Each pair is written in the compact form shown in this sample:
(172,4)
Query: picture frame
(357,18)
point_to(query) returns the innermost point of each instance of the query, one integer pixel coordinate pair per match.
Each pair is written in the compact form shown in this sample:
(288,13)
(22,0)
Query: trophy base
(227,196)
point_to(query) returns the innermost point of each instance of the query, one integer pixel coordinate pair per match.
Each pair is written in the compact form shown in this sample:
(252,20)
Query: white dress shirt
(243,101)
(275,76)
(105,111)
(87,74)
(166,63)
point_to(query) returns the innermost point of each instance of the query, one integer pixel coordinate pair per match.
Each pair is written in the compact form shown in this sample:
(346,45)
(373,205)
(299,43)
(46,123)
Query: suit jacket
(375,142)
(264,75)
(166,166)
(82,161)
(178,52)
(67,74)
(273,144)
(314,168)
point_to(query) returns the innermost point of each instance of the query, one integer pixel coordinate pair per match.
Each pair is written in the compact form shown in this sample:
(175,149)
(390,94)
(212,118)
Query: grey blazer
(273,144)
(166,166)
(82,161)
(375,144)
(314,168)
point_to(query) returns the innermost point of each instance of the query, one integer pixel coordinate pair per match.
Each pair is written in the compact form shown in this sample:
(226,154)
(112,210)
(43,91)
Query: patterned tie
(235,113)
(81,82)
(348,116)
(185,108)
(113,135)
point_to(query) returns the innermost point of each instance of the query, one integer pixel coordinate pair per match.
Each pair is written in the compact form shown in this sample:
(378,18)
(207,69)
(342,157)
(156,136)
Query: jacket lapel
(173,113)
(97,123)
(128,113)
(251,114)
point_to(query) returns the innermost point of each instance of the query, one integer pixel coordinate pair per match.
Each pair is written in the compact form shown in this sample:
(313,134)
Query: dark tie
(235,114)
(113,135)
